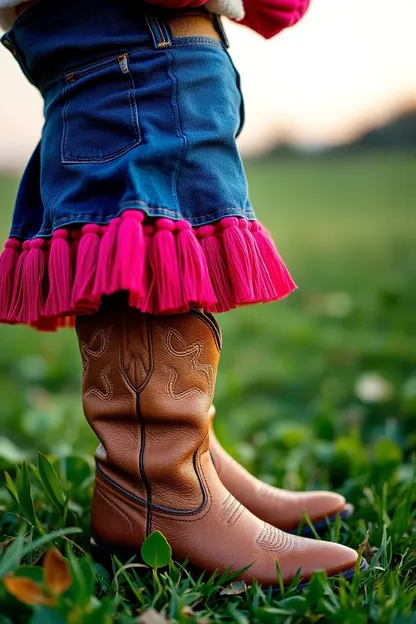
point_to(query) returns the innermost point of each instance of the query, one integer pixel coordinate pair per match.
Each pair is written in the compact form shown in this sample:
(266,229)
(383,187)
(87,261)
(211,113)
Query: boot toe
(338,558)
(312,556)
(320,505)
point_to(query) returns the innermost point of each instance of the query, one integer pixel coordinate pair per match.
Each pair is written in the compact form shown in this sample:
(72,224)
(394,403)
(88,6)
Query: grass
(315,391)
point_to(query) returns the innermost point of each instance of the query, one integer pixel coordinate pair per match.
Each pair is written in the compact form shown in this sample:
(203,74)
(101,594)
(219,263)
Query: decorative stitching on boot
(108,386)
(104,336)
(137,368)
(86,349)
(231,510)
(273,539)
(193,351)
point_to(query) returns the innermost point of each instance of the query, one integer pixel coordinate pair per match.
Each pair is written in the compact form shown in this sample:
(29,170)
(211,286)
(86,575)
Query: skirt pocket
(100,114)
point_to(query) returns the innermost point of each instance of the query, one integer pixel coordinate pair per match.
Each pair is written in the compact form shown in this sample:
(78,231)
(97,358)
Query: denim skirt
(137,184)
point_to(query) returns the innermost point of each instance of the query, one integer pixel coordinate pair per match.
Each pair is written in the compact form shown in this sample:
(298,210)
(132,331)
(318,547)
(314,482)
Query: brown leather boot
(281,508)
(148,386)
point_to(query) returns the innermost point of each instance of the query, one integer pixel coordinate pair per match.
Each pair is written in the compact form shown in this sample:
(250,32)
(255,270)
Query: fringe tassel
(129,266)
(17,296)
(196,284)
(166,282)
(87,258)
(141,302)
(106,279)
(217,266)
(236,254)
(165,266)
(76,236)
(32,282)
(58,302)
(264,289)
(279,274)
(8,262)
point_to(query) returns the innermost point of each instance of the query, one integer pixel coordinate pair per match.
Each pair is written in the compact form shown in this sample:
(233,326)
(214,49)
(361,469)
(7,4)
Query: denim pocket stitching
(69,159)
(66,95)
(133,108)
(192,41)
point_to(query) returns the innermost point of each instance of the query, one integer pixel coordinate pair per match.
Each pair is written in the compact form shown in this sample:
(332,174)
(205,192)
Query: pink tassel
(8,262)
(140,302)
(106,281)
(32,280)
(236,254)
(166,283)
(130,259)
(196,282)
(264,289)
(60,275)
(278,272)
(17,297)
(217,267)
(86,270)
(76,236)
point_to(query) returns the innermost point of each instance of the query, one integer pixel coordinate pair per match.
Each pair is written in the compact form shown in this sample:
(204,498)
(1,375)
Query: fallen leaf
(239,587)
(26,591)
(57,574)
(150,616)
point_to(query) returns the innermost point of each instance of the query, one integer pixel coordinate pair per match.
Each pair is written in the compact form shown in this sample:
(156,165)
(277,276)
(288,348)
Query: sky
(348,66)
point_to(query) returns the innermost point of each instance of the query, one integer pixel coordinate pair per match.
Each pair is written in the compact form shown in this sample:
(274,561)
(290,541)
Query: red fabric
(177,4)
(269,17)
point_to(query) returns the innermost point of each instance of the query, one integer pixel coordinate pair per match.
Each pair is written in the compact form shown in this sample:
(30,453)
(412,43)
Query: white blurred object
(373,388)
(229,8)
(338,305)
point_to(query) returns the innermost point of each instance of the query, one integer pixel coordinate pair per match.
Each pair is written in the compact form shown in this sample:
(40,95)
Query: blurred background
(319,389)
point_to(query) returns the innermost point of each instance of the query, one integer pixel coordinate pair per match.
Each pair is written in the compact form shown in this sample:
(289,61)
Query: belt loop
(219,27)
(158,31)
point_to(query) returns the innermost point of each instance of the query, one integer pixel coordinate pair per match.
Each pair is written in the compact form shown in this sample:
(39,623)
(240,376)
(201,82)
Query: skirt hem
(165,266)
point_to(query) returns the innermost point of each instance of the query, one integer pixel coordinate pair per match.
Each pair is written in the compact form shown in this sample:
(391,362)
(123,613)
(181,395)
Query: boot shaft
(147,387)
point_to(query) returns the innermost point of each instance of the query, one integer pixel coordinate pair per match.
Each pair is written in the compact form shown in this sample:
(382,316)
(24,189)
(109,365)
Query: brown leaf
(150,616)
(57,574)
(187,611)
(26,591)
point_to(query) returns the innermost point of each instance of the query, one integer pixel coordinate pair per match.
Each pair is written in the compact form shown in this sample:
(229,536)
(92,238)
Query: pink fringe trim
(166,268)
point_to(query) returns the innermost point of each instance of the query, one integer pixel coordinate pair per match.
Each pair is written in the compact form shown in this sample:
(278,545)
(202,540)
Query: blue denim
(134,118)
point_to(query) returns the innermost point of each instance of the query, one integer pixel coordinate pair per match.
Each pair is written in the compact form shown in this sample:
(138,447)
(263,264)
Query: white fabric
(229,8)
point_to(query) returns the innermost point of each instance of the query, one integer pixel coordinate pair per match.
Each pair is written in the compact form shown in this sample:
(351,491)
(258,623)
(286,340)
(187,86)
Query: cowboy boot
(283,509)
(147,389)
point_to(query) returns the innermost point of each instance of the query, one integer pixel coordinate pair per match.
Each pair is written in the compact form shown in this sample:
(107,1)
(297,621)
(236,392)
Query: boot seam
(146,483)
(124,325)
(211,326)
(159,508)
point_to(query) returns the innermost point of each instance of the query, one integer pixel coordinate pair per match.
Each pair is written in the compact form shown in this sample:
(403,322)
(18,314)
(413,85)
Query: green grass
(315,391)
